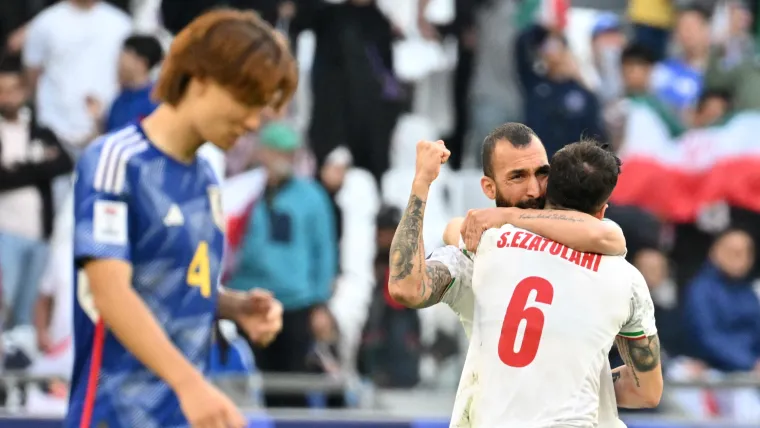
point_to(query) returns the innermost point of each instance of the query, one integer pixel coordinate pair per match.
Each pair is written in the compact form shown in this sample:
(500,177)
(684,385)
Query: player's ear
(197,86)
(488,186)
(600,214)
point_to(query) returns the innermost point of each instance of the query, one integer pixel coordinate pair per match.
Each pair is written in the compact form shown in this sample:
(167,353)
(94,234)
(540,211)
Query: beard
(532,203)
(9,112)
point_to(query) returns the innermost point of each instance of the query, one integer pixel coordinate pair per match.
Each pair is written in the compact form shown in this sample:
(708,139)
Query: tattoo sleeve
(425,281)
(407,249)
(641,355)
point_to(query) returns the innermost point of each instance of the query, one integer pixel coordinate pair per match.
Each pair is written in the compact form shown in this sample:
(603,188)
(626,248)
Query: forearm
(130,320)
(413,282)
(577,230)
(42,310)
(626,392)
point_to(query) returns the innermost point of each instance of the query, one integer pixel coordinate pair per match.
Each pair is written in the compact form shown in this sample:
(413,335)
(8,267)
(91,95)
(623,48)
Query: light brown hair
(237,50)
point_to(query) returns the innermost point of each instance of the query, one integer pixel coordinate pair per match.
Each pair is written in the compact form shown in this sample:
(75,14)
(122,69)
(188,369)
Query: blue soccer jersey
(136,204)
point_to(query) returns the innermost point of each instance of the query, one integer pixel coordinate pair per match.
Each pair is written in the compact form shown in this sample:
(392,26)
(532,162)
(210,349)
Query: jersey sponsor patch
(109,222)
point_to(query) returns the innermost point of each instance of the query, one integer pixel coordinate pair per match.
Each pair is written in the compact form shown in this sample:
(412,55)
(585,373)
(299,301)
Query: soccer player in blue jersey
(149,235)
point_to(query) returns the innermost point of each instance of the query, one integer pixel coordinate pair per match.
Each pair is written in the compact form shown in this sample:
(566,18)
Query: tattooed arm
(638,384)
(574,229)
(415,282)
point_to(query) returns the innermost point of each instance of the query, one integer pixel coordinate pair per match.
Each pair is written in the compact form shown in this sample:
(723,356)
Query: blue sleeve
(714,343)
(110,124)
(324,245)
(101,218)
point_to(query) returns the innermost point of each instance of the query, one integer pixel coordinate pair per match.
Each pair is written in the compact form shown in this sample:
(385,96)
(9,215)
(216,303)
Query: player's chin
(225,143)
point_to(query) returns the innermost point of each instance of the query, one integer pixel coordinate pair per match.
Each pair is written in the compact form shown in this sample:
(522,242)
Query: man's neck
(83,4)
(10,117)
(138,83)
(697,58)
(172,133)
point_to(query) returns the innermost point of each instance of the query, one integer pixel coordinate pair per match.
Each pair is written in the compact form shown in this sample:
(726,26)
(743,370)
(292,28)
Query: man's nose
(534,188)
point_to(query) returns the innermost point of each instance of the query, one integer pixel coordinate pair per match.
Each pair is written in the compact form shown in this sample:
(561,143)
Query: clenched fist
(430,156)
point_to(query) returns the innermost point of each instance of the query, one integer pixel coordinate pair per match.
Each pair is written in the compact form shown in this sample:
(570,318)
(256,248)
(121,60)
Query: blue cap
(605,22)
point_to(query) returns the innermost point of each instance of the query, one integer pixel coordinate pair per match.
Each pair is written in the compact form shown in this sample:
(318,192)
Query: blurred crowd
(313,199)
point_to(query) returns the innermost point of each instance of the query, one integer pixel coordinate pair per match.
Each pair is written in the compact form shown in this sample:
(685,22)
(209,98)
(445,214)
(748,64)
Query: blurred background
(673,85)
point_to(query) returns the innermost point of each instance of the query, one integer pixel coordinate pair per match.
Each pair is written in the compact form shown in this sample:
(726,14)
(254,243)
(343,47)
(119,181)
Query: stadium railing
(369,405)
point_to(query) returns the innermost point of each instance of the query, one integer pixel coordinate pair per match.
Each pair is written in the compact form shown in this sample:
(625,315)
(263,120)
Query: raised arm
(577,230)
(414,282)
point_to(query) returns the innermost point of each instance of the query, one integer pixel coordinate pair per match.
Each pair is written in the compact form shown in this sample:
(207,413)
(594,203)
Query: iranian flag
(677,177)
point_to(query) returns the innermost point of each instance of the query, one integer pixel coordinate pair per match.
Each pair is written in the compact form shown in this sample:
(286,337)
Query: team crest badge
(215,199)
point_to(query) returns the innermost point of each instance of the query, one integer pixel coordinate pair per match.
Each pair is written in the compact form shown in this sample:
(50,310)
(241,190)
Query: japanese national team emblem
(215,199)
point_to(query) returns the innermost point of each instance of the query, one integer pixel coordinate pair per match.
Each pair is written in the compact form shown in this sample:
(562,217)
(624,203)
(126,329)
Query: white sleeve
(459,294)
(641,321)
(35,45)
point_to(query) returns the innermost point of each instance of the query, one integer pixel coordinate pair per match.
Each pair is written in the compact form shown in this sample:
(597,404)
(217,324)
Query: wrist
(230,304)
(421,186)
(187,379)
(507,215)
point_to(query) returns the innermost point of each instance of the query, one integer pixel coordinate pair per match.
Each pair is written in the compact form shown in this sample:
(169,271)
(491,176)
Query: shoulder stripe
(634,335)
(118,149)
(114,149)
(121,169)
(108,145)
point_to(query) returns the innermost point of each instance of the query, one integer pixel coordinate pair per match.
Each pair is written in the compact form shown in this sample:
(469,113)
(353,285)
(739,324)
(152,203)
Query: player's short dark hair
(237,50)
(638,53)
(10,63)
(388,217)
(517,134)
(583,176)
(696,9)
(709,94)
(146,47)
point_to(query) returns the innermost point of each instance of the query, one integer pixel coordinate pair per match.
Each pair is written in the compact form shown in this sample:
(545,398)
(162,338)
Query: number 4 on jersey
(199,273)
(534,322)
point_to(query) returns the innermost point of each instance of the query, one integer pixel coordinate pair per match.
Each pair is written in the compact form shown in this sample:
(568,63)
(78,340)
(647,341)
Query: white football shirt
(545,319)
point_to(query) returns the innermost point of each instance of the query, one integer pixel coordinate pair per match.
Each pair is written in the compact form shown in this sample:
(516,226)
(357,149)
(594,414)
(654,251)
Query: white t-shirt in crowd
(77,50)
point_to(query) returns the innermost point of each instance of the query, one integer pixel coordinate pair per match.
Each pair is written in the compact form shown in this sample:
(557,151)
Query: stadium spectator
(677,81)
(557,103)
(723,312)
(390,350)
(607,43)
(71,54)
(652,20)
(722,306)
(30,158)
(733,62)
(287,246)
(713,105)
(14,17)
(637,67)
(139,56)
